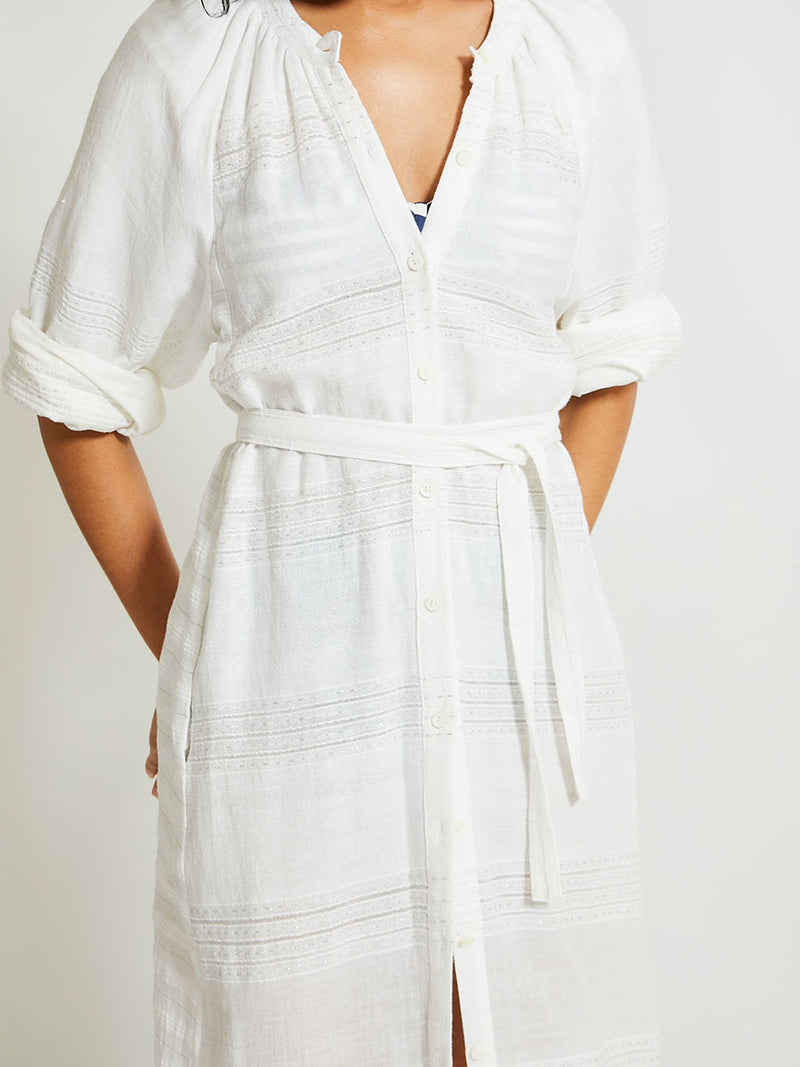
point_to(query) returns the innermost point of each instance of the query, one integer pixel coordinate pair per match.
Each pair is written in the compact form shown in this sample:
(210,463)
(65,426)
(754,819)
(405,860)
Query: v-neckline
(369,154)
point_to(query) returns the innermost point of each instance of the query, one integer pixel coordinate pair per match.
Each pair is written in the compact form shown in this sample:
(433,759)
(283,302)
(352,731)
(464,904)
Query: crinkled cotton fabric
(395,730)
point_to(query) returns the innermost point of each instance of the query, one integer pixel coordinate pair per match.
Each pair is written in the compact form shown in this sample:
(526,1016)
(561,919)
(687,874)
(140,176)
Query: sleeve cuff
(72,386)
(624,346)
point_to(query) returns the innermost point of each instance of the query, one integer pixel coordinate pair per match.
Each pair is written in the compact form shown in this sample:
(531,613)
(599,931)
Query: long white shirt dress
(394,727)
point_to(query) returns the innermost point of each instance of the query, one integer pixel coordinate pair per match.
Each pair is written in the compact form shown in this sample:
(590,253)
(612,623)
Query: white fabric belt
(511,443)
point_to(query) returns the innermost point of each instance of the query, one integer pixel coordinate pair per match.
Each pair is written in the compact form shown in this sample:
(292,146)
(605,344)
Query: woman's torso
(328,296)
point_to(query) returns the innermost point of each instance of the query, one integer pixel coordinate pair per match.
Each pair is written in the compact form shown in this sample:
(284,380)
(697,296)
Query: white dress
(394,726)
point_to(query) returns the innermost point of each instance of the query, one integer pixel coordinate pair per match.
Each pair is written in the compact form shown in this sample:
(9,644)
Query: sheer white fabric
(395,728)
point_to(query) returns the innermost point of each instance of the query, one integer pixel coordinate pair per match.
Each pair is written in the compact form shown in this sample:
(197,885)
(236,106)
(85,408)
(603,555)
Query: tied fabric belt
(511,443)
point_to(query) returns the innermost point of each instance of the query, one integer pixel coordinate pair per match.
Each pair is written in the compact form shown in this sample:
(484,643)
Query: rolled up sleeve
(119,303)
(615,317)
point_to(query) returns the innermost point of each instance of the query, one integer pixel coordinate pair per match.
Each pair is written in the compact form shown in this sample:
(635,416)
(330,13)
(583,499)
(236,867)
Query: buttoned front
(394,725)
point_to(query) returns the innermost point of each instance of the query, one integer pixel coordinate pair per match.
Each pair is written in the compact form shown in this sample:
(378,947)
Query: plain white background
(697,544)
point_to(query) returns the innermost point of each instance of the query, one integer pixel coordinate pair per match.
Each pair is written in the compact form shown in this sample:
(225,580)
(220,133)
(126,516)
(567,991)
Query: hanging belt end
(577,777)
(545,874)
(545,889)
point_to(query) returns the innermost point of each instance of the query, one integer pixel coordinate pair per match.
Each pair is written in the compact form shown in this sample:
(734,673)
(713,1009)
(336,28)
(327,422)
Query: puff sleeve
(119,301)
(614,317)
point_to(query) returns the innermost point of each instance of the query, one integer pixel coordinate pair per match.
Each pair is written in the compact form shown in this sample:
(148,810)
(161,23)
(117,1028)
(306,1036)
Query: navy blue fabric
(420,219)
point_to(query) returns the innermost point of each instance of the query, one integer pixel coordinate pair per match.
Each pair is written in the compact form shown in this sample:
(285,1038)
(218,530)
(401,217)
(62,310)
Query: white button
(465,939)
(459,824)
(425,489)
(432,602)
(424,371)
(414,261)
(463,157)
(476,1052)
(438,719)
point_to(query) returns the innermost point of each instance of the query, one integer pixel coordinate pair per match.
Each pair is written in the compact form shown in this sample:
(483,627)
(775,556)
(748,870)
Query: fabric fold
(625,345)
(70,385)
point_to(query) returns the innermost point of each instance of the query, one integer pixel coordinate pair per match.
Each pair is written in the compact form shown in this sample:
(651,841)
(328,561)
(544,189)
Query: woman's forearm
(108,494)
(594,428)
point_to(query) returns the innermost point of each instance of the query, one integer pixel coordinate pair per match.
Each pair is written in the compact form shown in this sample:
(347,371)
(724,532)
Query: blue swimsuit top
(420,211)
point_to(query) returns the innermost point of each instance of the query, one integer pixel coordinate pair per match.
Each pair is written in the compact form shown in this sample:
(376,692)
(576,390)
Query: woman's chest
(410,70)
(308,199)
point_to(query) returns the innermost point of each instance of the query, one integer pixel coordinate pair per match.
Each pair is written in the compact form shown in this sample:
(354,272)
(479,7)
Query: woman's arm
(107,492)
(594,428)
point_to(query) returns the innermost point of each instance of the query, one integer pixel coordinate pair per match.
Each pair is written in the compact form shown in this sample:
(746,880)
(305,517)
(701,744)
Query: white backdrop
(697,544)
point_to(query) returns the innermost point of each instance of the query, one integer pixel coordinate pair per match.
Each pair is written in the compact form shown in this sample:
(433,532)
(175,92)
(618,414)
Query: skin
(416,51)
(594,428)
(108,494)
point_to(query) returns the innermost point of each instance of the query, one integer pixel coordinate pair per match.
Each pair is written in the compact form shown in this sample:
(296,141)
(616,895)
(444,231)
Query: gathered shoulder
(178,41)
(591,35)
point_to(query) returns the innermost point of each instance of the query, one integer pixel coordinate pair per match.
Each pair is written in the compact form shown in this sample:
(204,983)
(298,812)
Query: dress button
(424,371)
(438,719)
(465,939)
(425,489)
(414,261)
(459,824)
(477,1052)
(431,602)
(463,157)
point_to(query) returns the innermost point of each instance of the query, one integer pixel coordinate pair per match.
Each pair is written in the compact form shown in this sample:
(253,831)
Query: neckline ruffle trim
(324,48)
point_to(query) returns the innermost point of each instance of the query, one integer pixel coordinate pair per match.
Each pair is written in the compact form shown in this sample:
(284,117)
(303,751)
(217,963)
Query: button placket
(420,286)
(437,677)
(448,829)
(467,932)
(448,832)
